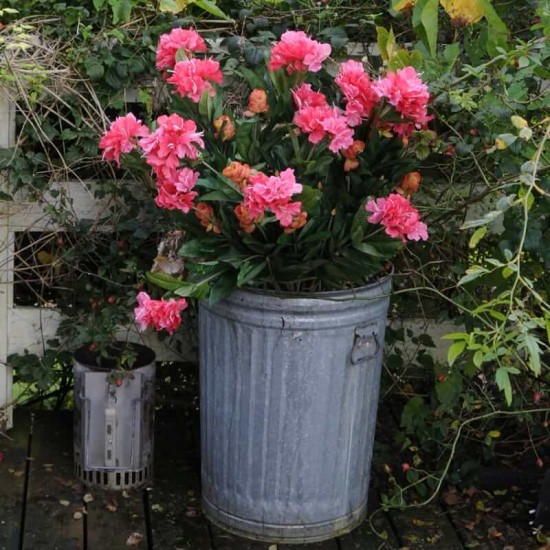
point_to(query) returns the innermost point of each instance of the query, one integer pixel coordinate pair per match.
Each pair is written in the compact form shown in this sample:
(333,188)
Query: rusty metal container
(113,420)
(289,395)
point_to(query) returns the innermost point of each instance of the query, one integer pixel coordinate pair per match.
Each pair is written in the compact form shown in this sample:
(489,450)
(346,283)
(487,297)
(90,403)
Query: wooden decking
(43,506)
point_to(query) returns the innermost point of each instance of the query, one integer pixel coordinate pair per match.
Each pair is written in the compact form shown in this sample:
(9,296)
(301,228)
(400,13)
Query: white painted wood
(7,139)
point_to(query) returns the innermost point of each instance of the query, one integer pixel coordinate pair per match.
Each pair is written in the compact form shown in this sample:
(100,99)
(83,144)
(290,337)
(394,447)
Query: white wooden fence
(28,328)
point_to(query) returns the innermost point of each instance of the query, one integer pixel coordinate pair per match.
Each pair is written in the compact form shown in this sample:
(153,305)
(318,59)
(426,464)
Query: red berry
(537,396)
(450,151)
(111,299)
(441,378)
(406,467)
(474,132)
(93,346)
(118,382)
(539,463)
(60,241)
(121,245)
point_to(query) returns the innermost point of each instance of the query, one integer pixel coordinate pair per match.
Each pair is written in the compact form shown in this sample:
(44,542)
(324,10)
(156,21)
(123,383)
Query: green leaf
(386,43)
(98,4)
(197,248)
(472,274)
(223,287)
(425,23)
(368,249)
(478,234)
(249,270)
(533,349)
(455,350)
(164,280)
(210,7)
(122,10)
(455,336)
(169,6)
(309,197)
(502,378)
(498,32)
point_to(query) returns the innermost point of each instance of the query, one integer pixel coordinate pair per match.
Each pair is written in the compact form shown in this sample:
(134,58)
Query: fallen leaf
(451,497)
(272,547)
(191,512)
(88,498)
(494,533)
(125,494)
(78,515)
(134,539)
(64,502)
(18,473)
(111,505)
(157,508)
(422,523)
(48,465)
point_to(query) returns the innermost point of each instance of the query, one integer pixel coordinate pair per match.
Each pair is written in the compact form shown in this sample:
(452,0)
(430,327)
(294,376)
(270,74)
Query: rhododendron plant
(291,178)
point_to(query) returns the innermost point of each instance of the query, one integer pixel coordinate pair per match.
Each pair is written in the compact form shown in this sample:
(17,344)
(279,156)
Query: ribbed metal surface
(289,392)
(113,424)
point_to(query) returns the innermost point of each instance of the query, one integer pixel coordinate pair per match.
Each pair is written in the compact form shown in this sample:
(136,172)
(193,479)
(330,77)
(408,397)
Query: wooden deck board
(12,469)
(174,502)
(54,494)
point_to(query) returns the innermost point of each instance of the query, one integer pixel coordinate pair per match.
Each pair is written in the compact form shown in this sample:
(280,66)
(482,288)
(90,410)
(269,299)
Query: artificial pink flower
(175,189)
(359,91)
(159,314)
(122,137)
(189,40)
(407,93)
(304,97)
(193,77)
(298,53)
(175,138)
(398,216)
(325,122)
(273,193)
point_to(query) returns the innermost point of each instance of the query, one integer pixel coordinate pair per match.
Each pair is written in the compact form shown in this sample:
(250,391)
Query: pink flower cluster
(359,91)
(193,77)
(298,53)
(122,137)
(188,40)
(319,120)
(399,218)
(273,193)
(159,314)
(405,91)
(174,139)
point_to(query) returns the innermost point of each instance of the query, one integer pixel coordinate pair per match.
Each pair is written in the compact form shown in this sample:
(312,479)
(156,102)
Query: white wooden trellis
(28,328)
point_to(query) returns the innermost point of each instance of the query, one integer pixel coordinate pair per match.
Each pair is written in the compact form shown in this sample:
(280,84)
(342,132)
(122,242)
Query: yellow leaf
(402,5)
(519,122)
(463,12)
(500,144)
(45,258)
(494,434)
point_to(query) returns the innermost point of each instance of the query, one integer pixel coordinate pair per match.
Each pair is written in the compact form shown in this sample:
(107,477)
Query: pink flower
(407,93)
(175,189)
(298,52)
(273,193)
(159,314)
(193,77)
(189,40)
(122,137)
(398,216)
(304,97)
(359,91)
(325,122)
(174,139)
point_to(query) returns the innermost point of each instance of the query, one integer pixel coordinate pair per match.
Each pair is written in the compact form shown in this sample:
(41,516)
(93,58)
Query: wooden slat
(12,469)
(364,537)
(175,498)
(222,540)
(427,527)
(54,494)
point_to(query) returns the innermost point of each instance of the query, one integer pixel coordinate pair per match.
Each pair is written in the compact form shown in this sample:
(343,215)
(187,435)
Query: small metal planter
(113,422)
(289,395)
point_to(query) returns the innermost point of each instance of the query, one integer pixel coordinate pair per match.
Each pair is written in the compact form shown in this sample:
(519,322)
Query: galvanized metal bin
(289,395)
(113,423)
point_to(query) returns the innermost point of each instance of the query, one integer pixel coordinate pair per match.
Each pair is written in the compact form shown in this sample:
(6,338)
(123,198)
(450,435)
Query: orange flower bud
(246,221)
(238,173)
(298,221)
(257,102)
(205,214)
(351,153)
(410,183)
(228,127)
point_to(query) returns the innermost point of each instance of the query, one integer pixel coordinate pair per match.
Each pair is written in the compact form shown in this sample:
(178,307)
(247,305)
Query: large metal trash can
(289,395)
